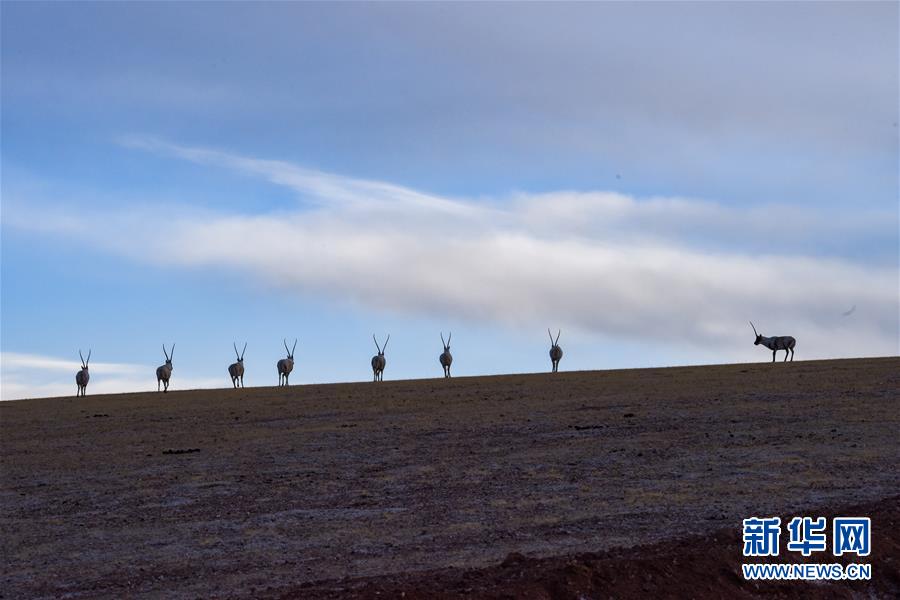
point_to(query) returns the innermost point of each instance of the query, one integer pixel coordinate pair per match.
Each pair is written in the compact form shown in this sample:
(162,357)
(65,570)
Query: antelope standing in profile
(378,361)
(779,342)
(82,377)
(236,370)
(286,365)
(446,358)
(555,351)
(164,373)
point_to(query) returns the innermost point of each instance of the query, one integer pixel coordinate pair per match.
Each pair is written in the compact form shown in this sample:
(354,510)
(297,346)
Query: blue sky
(646,177)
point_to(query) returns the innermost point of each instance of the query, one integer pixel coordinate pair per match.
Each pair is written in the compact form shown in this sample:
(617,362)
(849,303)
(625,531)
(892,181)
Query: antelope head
(381,349)
(84,363)
(554,343)
(758,337)
(240,357)
(290,353)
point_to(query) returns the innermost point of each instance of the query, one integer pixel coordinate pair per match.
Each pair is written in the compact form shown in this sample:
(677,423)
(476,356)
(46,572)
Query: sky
(645,177)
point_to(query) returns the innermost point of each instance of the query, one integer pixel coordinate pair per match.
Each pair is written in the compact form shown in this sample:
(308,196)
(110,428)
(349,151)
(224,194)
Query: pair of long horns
(290,352)
(381,348)
(84,363)
(449,337)
(171,354)
(552,341)
(241,355)
(754,328)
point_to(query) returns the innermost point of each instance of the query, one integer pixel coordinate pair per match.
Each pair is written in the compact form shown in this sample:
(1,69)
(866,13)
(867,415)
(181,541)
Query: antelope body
(164,373)
(236,370)
(776,343)
(378,361)
(286,365)
(556,352)
(446,358)
(82,377)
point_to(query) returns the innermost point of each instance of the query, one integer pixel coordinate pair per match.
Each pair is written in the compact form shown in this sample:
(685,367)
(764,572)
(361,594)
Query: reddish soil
(706,566)
(420,486)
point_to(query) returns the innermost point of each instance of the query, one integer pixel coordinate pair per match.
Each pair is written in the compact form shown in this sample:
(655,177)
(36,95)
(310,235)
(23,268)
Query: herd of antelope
(285,365)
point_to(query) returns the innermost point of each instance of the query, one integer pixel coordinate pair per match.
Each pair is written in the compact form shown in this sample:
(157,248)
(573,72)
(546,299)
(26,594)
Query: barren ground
(285,491)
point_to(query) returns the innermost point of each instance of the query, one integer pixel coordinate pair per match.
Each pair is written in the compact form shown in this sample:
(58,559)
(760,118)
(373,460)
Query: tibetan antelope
(779,342)
(286,365)
(378,361)
(555,351)
(82,377)
(236,370)
(164,373)
(446,358)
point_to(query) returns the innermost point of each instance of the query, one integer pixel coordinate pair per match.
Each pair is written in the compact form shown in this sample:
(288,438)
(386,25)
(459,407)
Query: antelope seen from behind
(556,352)
(378,361)
(446,358)
(164,373)
(286,365)
(82,377)
(236,370)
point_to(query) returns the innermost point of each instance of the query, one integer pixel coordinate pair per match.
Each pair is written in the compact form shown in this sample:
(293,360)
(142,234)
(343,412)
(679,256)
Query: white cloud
(658,269)
(18,361)
(38,376)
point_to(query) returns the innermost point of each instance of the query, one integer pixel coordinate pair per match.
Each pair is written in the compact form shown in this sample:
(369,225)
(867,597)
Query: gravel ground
(240,492)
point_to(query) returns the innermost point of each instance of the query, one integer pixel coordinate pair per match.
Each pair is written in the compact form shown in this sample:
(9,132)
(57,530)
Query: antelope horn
(754,328)
(385,342)
(376,343)
(442,340)
(82,358)
(551,335)
(88,361)
(558,333)
(244,350)
(235,350)
(294,348)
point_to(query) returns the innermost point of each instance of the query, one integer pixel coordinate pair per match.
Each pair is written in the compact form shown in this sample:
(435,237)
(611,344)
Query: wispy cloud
(18,361)
(667,269)
(38,376)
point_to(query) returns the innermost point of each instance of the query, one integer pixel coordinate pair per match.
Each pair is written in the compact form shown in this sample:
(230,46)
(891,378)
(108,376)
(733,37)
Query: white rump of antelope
(236,370)
(286,365)
(776,343)
(164,373)
(82,377)
(378,361)
(556,352)
(446,359)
